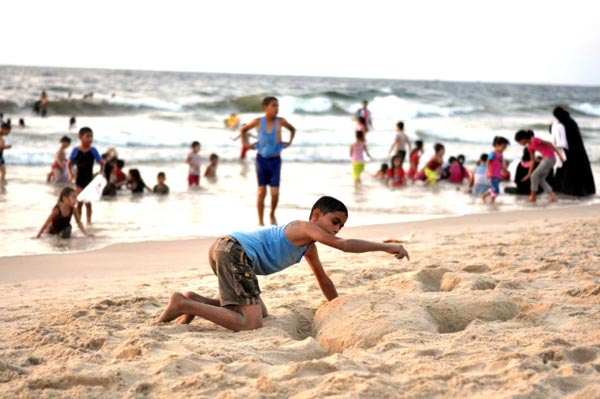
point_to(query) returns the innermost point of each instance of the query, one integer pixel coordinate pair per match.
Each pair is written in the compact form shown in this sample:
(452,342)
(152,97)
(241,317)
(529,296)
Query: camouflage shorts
(238,284)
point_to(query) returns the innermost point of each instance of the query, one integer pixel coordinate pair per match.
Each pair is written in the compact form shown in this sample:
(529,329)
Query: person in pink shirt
(357,151)
(395,174)
(547,151)
(458,172)
(494,168)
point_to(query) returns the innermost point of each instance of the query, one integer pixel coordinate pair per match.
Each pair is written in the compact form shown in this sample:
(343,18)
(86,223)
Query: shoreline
(113,257)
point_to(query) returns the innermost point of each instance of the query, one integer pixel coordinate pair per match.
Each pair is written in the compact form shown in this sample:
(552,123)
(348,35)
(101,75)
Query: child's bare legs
(533,196)
(260,204)
(187,318)
(88,212)
(484,196)
(235,318)
(274,202)
(2,174)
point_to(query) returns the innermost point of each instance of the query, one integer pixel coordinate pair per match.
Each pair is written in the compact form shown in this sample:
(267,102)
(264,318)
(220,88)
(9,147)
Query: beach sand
(493,305)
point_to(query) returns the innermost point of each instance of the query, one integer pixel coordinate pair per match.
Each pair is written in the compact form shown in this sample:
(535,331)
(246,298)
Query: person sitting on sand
(161,187)
(59,167)
(59,221)
(237,258)
(211,169)
(538,176)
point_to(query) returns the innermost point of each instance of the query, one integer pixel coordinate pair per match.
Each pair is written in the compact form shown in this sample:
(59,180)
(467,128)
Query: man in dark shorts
(268,159)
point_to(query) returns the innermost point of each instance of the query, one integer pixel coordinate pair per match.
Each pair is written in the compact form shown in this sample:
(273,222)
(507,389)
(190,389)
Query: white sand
(494,305)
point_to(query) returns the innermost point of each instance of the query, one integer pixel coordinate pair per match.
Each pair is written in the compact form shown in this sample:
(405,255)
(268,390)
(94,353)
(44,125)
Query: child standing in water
(59,221)
(268,160)
(415,156)
(193,160)
(83,157)
(357,151)
(479,182)
(4,131)
(538,176)
(237,259)
(395,174)
(494,168)
(59,167)
(434,165)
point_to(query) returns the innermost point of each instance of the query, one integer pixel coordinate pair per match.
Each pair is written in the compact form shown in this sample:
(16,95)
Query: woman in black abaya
(575,176)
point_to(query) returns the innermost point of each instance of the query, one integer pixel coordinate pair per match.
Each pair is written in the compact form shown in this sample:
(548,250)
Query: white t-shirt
(194,163)
(559,139)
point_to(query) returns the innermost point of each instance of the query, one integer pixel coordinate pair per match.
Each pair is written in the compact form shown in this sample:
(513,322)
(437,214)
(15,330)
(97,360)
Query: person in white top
(401,141)
(559,139)
(366,115)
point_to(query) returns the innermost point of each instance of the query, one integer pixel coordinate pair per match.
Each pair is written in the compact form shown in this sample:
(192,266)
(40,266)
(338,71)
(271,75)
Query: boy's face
(64,144)
(331,222)
(441,152)
(523,142)
(196,148)
(161,180)
(4,131)
(214,161)
(272,109)
(87,139)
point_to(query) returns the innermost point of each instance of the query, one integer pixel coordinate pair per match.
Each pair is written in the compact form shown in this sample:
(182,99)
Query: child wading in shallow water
(494,168)
(357,151)
(538,176)
(236,259)
(59,221)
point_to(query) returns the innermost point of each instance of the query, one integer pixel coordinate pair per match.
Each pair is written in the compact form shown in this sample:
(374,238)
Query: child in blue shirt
(237,258)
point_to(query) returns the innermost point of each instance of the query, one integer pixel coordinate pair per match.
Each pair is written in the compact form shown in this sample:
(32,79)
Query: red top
(397,178)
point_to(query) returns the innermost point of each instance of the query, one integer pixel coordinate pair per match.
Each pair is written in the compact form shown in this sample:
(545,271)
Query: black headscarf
(575,176)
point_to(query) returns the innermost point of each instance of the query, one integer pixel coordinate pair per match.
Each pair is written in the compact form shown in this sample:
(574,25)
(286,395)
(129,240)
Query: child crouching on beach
(538,176)
(59,221)
(237,258)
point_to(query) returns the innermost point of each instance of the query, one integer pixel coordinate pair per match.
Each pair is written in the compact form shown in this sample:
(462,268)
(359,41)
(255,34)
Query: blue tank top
(267,141)
(269,249)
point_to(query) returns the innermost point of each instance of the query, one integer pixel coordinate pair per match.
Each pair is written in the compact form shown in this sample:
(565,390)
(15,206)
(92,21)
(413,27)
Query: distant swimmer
(21,123)
(4,131)
(366,114)
(233,122)
(58,171)
(40,107)
(72,123)
(88,96)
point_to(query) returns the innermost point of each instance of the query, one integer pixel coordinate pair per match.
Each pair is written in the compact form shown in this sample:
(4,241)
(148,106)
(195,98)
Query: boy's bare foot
(552,197)
(273,220)
(184,319)
(532,197)
(482,196)
(172,311)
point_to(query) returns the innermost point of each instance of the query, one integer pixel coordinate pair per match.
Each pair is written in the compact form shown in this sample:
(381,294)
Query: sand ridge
(500,309)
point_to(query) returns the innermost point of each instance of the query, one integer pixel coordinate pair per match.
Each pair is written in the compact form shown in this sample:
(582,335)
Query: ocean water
(152,117)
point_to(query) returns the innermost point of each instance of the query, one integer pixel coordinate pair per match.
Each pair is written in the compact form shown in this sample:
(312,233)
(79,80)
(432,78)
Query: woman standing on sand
(575,176)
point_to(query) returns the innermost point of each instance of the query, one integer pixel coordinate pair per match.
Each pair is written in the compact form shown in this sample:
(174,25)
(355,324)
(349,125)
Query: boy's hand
(397,250)
(252,146)
(527,177)
(286,145)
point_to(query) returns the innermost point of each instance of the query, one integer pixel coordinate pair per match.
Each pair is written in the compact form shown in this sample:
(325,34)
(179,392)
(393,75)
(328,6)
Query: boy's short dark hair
(400,125)
(452,159)
(419,144)
(85,130)
(328,204)
(460,158)
(120,163)
(483,157)
(268,100)
(520,135)
(438,147)
(65,139)
(498,140)
(195,143)
(161,174)
(213,156)
(5,126)
(384,167)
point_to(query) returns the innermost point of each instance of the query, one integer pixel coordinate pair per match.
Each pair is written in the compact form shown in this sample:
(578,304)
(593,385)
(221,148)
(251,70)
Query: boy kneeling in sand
(236,259)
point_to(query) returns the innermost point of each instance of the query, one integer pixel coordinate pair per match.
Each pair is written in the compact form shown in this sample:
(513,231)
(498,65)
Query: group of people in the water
(534,173)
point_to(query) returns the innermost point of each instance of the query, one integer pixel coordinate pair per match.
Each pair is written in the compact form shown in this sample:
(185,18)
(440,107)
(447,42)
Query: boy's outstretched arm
(312,232)
(325,283)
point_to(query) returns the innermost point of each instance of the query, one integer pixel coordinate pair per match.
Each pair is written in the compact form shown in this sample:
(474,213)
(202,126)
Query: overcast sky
(501,41)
